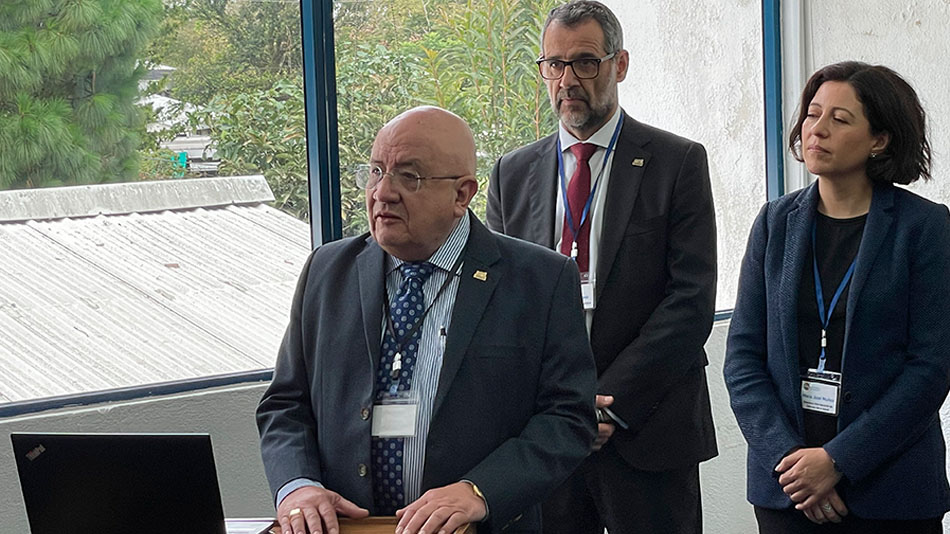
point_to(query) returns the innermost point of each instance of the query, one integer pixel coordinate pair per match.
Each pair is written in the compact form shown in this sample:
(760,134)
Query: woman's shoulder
(925,221)
(913,203)
(915,211)
(780,207)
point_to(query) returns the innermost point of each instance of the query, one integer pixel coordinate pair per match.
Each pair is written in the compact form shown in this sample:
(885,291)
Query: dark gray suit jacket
(895,362)
(656,283)
(513,412)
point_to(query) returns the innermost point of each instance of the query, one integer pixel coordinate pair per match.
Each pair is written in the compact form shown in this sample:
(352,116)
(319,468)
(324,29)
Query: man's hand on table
(315,508)
(442,510)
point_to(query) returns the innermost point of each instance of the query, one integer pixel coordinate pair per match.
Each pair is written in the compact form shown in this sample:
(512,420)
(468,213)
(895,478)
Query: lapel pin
(480,275)
(638,162)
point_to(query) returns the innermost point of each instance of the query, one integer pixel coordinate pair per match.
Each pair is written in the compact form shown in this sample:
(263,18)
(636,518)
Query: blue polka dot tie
(406,310)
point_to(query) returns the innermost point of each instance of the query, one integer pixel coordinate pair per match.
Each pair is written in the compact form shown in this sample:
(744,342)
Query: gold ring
(295,511)
(826,507)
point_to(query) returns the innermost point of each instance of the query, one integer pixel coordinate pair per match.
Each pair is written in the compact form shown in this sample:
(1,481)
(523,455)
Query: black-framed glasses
(369,176)
(584,68)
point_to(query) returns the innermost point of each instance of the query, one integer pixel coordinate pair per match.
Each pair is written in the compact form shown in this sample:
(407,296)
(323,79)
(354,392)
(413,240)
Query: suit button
(362,470)
(847,396)
(364,414)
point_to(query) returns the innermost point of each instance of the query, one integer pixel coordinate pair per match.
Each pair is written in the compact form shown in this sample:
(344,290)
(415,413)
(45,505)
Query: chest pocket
(498,352)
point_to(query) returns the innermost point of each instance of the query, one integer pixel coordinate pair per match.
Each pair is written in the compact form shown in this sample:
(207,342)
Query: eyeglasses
(584,68)
(369,176)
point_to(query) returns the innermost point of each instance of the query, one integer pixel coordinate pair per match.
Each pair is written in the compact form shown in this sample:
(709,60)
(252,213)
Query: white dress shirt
(601,138)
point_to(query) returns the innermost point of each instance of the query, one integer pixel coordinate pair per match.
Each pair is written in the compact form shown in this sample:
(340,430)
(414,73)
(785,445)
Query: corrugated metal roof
(94,303)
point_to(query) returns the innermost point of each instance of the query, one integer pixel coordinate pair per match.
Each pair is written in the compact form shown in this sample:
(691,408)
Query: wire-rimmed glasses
(369,176)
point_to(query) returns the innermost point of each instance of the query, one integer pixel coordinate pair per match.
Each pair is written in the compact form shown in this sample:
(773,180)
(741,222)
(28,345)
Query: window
(153,191)
(474,58)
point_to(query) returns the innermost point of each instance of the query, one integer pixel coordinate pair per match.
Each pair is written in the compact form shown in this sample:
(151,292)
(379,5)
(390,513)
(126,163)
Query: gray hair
(573,13)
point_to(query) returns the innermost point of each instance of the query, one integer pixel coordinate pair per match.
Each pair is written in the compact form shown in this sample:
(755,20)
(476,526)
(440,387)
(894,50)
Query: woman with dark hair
(838,355)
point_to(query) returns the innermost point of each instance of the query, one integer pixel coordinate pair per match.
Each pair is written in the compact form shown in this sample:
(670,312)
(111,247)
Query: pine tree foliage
(69,76)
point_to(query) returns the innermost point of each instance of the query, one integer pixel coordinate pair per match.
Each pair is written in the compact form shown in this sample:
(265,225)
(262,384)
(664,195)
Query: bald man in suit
(471,413)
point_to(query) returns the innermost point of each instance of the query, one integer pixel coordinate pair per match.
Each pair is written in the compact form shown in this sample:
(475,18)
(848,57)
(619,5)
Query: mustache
(574,93)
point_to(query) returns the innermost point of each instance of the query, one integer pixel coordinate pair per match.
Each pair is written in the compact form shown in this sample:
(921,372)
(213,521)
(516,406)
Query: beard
(587,118)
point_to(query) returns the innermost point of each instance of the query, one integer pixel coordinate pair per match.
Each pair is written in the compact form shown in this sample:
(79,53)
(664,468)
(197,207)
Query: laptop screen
(119,483)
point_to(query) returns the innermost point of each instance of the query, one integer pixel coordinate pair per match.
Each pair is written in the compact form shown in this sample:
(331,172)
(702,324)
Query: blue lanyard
(593,190)
(825,317)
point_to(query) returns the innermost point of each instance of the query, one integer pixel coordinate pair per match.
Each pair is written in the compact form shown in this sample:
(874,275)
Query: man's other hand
(314,508)
(442,510)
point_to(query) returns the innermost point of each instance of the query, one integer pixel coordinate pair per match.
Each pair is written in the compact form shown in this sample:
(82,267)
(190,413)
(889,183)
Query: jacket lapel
(370,266)
(481,254)
(798,224)
(878,224)
(622,191)
(542,190)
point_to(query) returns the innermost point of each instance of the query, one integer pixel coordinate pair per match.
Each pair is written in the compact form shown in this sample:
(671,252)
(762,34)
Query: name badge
(820,391)
(395,416)
(587,291)
(394,420)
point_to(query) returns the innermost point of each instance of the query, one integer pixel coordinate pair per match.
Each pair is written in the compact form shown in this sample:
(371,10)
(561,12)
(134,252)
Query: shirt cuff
(294,484)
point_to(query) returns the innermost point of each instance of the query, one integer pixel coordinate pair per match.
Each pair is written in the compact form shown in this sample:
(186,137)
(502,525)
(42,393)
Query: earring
(873,155)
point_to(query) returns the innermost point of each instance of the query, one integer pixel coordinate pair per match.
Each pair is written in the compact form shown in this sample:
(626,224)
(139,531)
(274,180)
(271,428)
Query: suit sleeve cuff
(294,484)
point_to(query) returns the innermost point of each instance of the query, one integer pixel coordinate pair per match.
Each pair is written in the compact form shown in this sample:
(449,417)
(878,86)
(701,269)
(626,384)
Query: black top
(836,244)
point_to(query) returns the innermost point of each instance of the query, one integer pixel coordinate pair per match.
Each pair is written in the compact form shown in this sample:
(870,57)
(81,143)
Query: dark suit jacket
(896,358)
(656,283)
(513,412)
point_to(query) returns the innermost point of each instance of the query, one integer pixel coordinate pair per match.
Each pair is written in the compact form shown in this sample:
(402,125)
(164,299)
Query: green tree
(228,47)
(479,63)
(69,72)
(264,132)
(473,57)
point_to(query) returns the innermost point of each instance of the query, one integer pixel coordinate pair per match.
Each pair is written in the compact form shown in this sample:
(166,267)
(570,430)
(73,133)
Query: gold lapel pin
(480,275)
(638,162)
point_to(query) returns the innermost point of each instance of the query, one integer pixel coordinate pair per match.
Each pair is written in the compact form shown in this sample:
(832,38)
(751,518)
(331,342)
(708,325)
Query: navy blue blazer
(895,362)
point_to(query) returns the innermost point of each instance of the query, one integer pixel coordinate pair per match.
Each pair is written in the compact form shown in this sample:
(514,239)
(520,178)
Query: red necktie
(578,192)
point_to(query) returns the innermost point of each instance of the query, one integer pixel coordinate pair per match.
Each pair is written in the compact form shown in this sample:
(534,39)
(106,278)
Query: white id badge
(395,417)
(587,291)
(820,391)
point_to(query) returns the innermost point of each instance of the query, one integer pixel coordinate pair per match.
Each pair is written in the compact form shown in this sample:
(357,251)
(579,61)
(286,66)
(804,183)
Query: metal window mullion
(319,71)
(772,67)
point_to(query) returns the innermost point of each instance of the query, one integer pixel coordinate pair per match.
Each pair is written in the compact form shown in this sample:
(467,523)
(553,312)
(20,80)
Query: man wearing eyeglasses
(632,205)
(432,369)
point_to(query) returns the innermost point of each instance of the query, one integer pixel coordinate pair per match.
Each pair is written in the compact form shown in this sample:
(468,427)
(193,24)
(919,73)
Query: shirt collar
(446,255)
(600,138)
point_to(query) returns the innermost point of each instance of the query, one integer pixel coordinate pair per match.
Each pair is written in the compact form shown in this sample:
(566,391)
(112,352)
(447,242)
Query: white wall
(722,479)
(696,70)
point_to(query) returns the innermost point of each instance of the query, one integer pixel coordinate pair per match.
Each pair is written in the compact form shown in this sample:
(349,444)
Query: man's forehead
(586,38)
(400,148)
